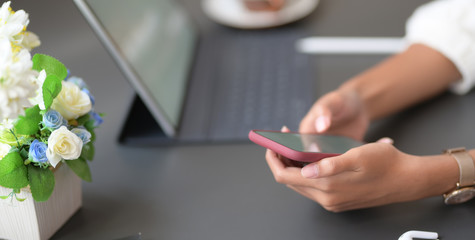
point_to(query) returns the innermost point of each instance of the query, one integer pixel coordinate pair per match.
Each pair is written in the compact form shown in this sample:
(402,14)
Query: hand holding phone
(303,147)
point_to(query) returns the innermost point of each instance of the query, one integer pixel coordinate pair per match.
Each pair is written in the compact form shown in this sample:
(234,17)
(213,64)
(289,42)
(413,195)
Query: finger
(285,129)
(273,161)
(287,162)
(285,174)
(327,167)
(386,140)
(322,114)
(308,123)
(323,120)
(278,163)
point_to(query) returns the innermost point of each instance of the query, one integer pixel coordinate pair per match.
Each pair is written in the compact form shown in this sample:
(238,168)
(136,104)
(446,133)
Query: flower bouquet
(46,119)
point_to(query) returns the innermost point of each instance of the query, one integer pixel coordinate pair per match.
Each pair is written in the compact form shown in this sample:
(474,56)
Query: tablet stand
(141,129)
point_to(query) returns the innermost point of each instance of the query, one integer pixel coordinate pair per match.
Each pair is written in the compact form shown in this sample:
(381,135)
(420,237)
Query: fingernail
(310,171)
(322,123)
(386,140)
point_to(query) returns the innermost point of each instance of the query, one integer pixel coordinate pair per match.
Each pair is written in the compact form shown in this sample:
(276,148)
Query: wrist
(354,92)
(363,92)
(439,175)
(465,187)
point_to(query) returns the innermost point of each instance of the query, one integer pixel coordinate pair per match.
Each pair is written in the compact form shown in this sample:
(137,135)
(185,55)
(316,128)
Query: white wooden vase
(30,220)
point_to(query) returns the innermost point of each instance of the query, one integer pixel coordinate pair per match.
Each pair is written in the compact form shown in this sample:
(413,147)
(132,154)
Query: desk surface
(226,191)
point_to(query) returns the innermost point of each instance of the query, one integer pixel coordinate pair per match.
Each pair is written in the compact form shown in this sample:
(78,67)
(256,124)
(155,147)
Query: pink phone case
(286,151)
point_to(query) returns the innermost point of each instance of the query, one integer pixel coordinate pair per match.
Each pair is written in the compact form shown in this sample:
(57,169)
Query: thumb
(327,167)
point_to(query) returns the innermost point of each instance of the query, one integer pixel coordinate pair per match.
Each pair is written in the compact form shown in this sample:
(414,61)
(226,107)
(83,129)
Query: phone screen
(312,142)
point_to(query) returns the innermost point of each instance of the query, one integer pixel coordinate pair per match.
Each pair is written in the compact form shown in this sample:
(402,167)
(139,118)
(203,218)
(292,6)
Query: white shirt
(448,26)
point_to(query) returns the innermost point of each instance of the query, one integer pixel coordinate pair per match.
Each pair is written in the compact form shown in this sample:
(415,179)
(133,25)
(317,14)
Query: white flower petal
(71,101)
(30,40)
(53,158)
(65,144)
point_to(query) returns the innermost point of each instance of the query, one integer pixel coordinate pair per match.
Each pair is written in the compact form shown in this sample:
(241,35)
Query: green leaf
(29,124)
(93,135)
(51,88)
(50,64)
(89,125)
(41,183)
(88,151)
(23,153)
(80,167)
(13,173)
(7,137)
(4,197)
(20,199)
(82,120)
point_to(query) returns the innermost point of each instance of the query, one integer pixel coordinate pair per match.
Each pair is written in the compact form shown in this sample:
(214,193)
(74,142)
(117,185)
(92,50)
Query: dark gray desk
(226,191)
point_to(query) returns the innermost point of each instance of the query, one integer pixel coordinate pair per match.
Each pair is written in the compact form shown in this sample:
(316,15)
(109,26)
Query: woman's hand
(371,175)
(339,112)
(377,173)
(400,81)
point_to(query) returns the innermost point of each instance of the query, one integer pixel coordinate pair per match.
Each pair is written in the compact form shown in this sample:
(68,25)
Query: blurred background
(209,191)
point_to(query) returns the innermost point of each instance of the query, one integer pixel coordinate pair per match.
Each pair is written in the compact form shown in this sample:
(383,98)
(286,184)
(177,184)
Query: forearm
(403,80)
(436,175)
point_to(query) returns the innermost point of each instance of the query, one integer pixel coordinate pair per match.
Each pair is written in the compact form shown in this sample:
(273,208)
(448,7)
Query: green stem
(13,195)
(14,135)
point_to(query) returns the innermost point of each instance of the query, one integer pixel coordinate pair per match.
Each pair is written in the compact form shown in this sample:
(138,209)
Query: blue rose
(83,134)
(68,74)
(37,152)
(53,120)
(97,118)
(77,81)
(90,95)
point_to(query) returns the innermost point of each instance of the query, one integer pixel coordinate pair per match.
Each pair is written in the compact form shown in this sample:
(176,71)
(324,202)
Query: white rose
(71,101)
(63,144)
(4,149)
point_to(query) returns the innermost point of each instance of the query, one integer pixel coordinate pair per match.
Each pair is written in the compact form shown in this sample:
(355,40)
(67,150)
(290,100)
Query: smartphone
(303,147)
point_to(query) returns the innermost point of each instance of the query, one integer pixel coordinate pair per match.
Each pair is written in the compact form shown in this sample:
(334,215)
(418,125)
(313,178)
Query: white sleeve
(448,26)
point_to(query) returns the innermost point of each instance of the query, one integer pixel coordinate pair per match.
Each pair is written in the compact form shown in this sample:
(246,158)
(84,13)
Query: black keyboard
(272,84)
